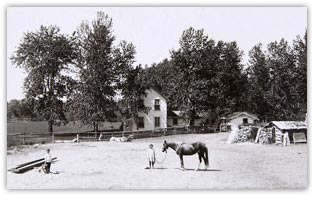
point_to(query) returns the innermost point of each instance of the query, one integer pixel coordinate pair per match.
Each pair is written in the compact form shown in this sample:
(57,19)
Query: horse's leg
(206,159)
(181,162)
(200,160)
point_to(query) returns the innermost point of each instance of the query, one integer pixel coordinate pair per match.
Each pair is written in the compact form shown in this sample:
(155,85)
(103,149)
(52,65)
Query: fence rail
(40,138)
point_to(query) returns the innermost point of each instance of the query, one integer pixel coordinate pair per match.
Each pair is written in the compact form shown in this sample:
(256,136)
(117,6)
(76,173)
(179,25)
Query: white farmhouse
(157,115)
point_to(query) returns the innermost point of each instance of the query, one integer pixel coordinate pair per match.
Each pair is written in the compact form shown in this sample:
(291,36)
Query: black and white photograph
(110,98)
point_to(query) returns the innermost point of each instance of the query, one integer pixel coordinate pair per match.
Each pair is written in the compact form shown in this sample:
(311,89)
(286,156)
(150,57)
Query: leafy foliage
(202,76)
(278,80)
(101,67)
(46,55)
(133,92)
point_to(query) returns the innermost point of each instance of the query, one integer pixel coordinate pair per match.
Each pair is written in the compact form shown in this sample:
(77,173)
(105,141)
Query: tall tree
(282,95)
(300,52)
(187,64)
(259,82)
(46,55)
(99,66)
(230,76)
(201,76)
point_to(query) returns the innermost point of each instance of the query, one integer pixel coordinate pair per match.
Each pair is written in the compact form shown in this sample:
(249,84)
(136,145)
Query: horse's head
(165,146)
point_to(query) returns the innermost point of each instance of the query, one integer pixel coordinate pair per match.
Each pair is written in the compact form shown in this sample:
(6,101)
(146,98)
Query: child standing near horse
(151,156)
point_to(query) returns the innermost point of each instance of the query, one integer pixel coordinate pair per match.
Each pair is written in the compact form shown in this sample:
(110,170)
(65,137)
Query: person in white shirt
(151,156)
(48,160)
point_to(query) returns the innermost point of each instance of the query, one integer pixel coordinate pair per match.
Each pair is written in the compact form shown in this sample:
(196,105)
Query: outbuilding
(236,120)
(276,132)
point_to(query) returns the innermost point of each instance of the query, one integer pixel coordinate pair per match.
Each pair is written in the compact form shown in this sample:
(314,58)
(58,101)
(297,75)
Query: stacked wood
(265,136)
(244,134)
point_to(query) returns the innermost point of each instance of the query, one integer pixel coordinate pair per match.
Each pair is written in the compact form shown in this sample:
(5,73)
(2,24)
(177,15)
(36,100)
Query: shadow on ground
(186,169)
(206,170)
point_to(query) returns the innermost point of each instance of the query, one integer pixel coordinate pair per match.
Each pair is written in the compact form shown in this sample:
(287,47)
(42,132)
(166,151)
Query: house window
(141,122)
(192,122)
(245,121)
(156,121)
(175,121)
(157,104)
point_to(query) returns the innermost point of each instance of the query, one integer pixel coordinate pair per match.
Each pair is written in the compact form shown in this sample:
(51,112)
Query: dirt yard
(105,165)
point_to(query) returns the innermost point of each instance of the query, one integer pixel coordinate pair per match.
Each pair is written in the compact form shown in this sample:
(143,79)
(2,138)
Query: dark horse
(182,149)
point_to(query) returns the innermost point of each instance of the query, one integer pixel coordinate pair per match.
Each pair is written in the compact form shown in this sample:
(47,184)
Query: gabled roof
(155,89)
(236,114)
(288,125)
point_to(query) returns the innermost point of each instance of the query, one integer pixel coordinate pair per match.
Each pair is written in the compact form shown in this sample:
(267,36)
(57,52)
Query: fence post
(164,131)
(100,137)
(23,138)
(77,138)
(53,138)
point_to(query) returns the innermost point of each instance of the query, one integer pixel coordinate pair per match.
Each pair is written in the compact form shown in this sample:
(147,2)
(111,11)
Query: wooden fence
(40,138)
(28,138)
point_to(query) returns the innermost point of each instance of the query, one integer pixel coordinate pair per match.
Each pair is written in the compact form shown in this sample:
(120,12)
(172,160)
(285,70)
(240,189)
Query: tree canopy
(101,70)
(88,77)
(45,55)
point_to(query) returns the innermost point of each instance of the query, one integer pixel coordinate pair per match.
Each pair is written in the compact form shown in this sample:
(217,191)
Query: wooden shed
(297,131)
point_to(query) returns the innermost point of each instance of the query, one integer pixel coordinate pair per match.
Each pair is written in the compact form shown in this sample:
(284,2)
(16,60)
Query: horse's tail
(206,156)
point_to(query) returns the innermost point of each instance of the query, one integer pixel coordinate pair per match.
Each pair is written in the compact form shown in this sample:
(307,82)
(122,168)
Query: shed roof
(236,114)
(180,114)
(288,125)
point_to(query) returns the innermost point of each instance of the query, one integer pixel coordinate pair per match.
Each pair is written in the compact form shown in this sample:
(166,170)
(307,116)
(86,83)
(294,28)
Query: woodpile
(244,134)
(264,136)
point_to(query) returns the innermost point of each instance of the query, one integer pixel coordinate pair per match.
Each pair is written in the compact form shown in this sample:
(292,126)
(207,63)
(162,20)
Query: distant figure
(151,156)
(48,160)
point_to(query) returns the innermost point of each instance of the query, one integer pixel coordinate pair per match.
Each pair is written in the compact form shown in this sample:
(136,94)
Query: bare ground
(105,165)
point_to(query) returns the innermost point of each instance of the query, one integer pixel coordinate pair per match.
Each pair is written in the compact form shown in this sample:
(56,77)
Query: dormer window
(157,104)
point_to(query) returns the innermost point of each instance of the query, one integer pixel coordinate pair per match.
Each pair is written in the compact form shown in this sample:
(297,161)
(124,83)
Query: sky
(156,30)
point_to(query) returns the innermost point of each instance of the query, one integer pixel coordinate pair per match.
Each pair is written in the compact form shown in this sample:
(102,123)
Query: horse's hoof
(183,169)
